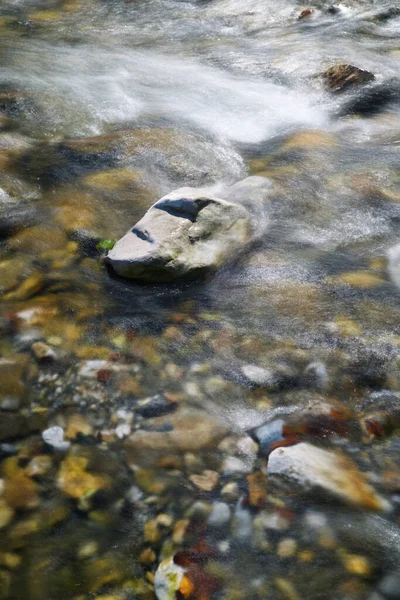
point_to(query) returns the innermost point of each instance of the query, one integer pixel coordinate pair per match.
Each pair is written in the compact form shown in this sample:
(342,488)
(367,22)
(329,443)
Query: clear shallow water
(105,106)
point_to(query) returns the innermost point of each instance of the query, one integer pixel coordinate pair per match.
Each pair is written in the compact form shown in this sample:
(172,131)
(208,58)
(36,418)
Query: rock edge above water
(190,232)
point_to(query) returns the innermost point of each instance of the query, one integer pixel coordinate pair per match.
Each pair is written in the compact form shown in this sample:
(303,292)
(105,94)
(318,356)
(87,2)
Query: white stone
(230,491)
(258,375)
(90,368)
(243,523)
(122,430)
(220,514)
(167,579)
(274,521)
(233,464)
(54,436)
(134,494)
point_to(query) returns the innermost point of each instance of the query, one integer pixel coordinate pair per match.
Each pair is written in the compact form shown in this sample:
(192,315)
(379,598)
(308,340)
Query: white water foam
(118,85)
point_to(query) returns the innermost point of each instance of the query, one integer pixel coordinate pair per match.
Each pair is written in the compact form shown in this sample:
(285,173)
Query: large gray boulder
(189,232)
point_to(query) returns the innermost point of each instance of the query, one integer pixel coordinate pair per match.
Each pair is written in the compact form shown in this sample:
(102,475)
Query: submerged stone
(192,430)
(12,388)
(15,215)
(168,579)
(259,376)
(220,515)
(206,481)
(54,436)
(75,481)
(373,100)
(331,471)
(20,492)
(43,352)
(154,407)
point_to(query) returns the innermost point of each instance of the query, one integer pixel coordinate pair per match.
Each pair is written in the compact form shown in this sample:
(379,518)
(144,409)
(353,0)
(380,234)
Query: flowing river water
(245,427)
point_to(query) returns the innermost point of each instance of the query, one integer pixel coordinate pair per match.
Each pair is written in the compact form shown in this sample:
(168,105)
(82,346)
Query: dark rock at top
(332,10)
(386,15)
(268,434)
(15,216)
(342,76)
(155,407)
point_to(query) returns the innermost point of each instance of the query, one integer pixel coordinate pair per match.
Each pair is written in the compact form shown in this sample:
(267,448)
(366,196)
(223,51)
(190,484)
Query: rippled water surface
(241,431)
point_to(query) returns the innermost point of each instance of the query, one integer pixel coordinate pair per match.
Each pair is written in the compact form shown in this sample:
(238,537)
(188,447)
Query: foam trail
(119,84)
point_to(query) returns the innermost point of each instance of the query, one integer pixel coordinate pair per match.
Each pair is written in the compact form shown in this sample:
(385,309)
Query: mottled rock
(147,557)
(36,240)
(207,481)
(77,424)
(75,480)
(109,569)
(331,471)
(151,533)
(275,375)
(20,492)
(27,289)
(43,352)
(257,487)
(39,465)
(191,430)
(151,481)
(168,579)
(343,76)
(230,491)
(332,10)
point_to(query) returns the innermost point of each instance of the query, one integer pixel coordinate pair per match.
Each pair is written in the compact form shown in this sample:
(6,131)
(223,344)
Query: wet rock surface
(185,234)
(341,77)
